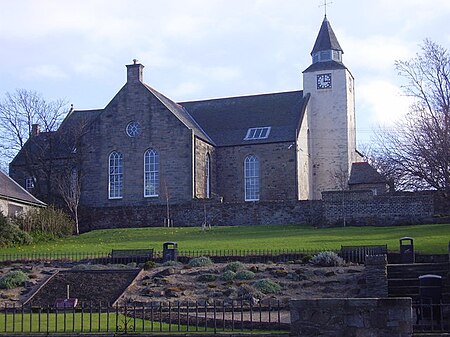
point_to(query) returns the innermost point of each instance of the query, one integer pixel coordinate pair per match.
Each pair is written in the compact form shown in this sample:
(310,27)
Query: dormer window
(257,133)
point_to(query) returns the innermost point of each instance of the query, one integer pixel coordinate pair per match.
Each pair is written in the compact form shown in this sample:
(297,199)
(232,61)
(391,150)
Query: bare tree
(19,111)
(417,150)
(69,187)
(69,175)
(340,177)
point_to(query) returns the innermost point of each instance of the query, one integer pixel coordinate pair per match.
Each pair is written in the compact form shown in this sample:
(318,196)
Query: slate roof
(326,39)
(226,120)
(329,65)
(78,118)
(56,144)
(182,114)
(9,189)
(364,173)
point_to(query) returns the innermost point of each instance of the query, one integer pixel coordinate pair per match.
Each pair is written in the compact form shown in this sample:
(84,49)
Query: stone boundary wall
(359,208)
(194,214)
(344,317)
(362,208)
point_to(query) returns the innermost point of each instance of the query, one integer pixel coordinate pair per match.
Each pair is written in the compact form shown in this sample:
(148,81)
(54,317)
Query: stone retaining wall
(369,317)
(359,208)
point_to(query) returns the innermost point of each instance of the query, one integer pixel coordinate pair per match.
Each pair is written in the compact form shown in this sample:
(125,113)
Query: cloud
(376,53)
(383,101)
(43,71)
(92,65)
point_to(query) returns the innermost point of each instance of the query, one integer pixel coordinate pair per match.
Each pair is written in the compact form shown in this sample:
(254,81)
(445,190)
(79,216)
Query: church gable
(141,146)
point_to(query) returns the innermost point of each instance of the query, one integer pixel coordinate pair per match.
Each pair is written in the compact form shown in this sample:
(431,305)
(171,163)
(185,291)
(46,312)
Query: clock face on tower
(324,81)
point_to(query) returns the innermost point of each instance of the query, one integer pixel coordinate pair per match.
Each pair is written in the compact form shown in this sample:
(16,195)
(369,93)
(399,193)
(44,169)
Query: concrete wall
(368,317)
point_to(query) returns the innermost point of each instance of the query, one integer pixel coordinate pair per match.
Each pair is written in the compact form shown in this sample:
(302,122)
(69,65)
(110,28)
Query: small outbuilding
(14,199)
(363,176)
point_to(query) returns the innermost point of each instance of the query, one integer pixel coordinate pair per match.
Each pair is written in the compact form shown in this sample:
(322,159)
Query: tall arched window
(208,175)
(151,173)
(115,188)
(251,178)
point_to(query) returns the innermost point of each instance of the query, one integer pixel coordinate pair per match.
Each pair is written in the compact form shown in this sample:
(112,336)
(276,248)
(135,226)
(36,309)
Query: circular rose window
(133,129)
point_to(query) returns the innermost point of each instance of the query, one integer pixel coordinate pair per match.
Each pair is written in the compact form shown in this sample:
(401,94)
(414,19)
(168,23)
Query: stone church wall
(364,210)
(202,149)
(277,168)
(161,131)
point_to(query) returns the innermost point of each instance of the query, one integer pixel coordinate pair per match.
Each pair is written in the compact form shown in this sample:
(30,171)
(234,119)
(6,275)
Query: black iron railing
(224,255)
(433,317)
(215,317)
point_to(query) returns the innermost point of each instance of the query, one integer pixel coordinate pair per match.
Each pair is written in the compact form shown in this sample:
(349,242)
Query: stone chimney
(135,72)
(35,129)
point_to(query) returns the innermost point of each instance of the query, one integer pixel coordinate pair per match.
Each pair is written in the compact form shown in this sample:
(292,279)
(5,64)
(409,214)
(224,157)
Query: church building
(143,148)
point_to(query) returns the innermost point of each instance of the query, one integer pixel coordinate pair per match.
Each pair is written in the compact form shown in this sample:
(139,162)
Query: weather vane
(325,4)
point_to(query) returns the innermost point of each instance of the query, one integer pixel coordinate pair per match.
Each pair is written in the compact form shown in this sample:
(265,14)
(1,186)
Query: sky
(200,49)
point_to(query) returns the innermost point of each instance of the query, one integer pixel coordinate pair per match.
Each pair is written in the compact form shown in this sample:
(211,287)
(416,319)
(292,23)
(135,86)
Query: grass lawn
(76,322)
(428,238)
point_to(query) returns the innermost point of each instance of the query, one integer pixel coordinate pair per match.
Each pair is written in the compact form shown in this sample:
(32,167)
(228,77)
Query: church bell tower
(331,115)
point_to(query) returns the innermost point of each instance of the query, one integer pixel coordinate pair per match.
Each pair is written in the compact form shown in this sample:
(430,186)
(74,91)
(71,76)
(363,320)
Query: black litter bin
(407,250)
(430,296)
(170,251)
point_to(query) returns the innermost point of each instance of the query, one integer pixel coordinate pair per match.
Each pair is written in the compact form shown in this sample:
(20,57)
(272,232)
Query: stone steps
(403,279)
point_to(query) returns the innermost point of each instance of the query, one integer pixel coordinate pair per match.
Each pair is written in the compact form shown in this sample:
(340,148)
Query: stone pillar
(376,276)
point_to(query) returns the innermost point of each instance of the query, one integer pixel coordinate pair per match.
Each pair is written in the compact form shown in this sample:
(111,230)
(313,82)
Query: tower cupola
(326,48)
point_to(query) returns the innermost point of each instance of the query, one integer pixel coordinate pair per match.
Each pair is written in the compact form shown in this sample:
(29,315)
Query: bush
(46,223)
(247,292)
(13,279)
(245,275)
(207,278)
(306,259)
(228,275)
(11,234)
(327,259)
(171,264)
(200,261)
(149,265)
(234,266)
(267,286)
(108,266)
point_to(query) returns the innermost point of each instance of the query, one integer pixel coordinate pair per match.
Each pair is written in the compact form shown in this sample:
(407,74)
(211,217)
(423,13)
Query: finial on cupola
(324,5)
(135,61)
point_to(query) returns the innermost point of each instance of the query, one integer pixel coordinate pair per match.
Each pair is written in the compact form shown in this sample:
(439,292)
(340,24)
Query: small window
(208,176)
(337,55)
(115,175)
(151,173)
(29,183)
(325,55)
(251,178)
(257,133)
